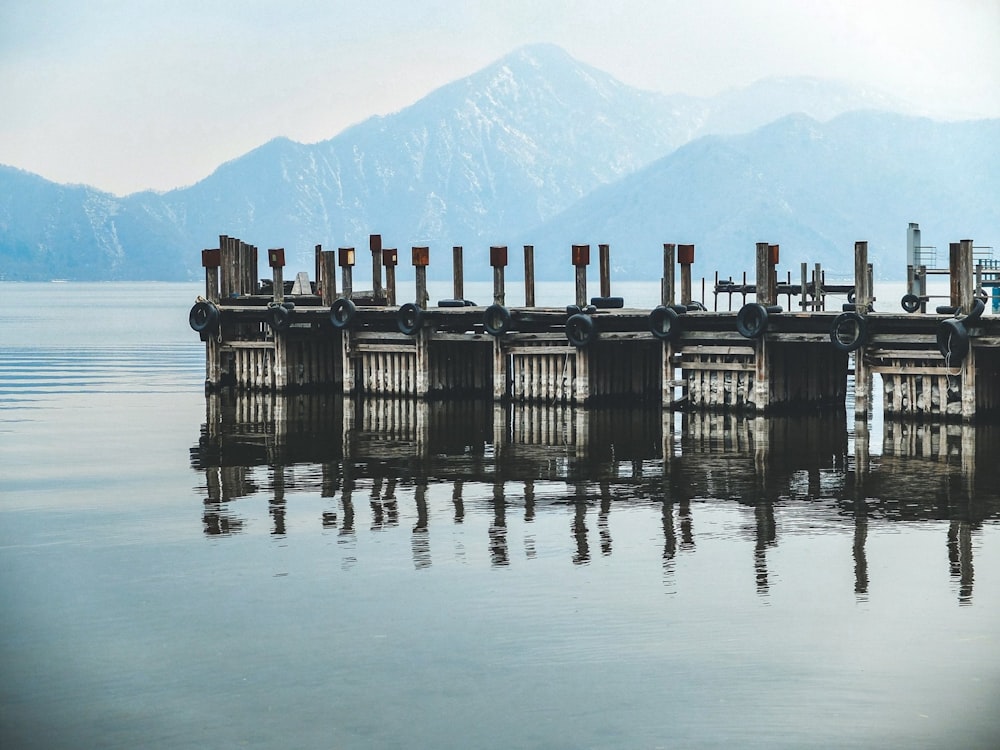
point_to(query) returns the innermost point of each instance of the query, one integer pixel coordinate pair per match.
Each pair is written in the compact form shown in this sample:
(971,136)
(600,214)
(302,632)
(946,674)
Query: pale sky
(126,95)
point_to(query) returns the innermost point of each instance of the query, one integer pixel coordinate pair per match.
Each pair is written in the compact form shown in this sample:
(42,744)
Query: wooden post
(685,256)
(421,259)
(804,287)
(819,296)
(345,259)
(966,278)
(862,287)
(529,275)
(604,256)
(276,259)
(375,245)
(765,274)
(955,294)
(224,263)
(327,278)
(210,260)
(457,273)
(498,259)
(317,263)
(389,259)
(581,259)
(667,283)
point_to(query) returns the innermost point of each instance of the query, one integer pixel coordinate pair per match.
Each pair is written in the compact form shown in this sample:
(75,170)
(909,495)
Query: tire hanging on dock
(953,340)
(497,320)
(751,320)
(849,331)
(910,303)
(204,317)
(664,323)
(410,318)
(280,315)
(580,330)
(342,313)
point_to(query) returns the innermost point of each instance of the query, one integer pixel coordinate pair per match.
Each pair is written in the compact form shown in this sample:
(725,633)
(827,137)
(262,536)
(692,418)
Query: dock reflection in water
(378,464)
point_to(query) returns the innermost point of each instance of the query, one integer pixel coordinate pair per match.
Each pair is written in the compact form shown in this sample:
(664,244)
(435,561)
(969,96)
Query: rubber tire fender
(910,303)
(953,340)
(664,323)
(580,330)
(849,331)
(204,317)
(497,320)
(281,317)
(342,313)
(410,318)
(978,308)
(751,320)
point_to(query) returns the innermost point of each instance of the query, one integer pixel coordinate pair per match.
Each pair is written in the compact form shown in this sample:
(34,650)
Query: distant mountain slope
(813,188)
(477,162)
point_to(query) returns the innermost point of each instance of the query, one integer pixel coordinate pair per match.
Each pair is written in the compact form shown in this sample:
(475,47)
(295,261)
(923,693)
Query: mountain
(476,162)
(813,188)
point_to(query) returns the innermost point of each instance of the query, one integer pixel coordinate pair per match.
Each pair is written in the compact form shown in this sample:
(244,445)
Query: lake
(189,571)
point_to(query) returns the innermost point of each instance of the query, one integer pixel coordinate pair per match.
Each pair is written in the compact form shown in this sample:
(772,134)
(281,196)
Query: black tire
(852,295)
(410,318)
(497,320)
(451,303)
(848,332)
(664,323)
(946,310)
(281,317)
(204,317)
(607,303)
(953,340)
(696,306)
(978,308)
(580,330)
(910,303)
(342,313)
(751,320)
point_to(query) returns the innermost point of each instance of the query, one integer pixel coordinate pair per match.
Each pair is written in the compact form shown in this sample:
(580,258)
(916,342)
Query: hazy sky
(126,95)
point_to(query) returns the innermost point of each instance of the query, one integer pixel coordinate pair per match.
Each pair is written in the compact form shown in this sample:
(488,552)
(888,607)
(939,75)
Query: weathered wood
(375,245)
(457,273)
(604,253)
(327,278)
(667,282)
(529,275)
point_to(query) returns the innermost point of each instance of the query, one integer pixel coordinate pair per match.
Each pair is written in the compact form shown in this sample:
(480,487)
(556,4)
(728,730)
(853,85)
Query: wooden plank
(906,370)
(720,366)
(724,351)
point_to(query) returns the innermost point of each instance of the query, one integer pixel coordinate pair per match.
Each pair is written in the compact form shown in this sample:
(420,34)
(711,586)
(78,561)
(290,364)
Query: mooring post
(529,275)
(685,256)
(389,260)
(276,260)
(804,286)
(247,272)
(421,259)
(862,301)
(604,259)
(375,245)
(317,263)
(498,259)
(862,278)
(667,282)
(767,259)
(345,259)
(327,278)
(966,277)
(581,259)
(819,296)
(224,264)
(210,260)
(457,273)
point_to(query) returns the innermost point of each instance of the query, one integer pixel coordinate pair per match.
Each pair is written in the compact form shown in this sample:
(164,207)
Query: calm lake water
(183,571)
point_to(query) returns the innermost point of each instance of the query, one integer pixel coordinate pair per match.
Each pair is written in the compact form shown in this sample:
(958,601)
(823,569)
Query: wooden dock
(304,335)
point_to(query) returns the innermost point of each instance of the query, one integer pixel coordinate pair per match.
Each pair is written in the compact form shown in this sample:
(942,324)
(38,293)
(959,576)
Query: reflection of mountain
(787,475)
